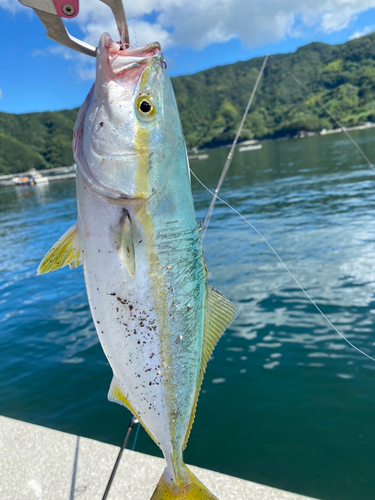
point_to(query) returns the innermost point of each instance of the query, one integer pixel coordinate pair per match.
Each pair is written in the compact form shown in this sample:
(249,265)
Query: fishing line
(134,33)
(326,110)
(286,268)
(231,152)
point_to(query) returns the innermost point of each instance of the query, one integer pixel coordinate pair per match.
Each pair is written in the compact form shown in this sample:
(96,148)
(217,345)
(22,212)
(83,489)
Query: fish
(136,236)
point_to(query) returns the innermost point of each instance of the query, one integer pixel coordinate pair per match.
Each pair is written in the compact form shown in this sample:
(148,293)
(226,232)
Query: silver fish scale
(123,312)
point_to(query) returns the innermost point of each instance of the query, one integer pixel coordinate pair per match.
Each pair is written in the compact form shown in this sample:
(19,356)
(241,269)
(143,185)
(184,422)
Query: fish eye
(145,107)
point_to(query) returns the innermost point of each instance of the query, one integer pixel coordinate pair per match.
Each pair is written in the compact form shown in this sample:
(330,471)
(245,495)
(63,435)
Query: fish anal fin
(115,395)
(219,314)
(126,243)
(65,252)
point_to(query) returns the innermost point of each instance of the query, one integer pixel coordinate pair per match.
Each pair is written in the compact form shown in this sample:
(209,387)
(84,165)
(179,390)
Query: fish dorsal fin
(65,252)
(126,243)
(219,314)
(115,395)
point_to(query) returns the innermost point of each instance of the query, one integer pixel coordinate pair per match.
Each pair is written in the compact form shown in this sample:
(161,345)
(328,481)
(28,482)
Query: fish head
(129,127)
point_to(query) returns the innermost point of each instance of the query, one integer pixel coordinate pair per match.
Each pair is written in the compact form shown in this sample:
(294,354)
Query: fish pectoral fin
(65,252)
(126,244)
(219,314)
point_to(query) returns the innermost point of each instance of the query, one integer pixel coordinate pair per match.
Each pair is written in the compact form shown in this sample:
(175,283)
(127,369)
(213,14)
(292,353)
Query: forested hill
(39,140)
(212,102)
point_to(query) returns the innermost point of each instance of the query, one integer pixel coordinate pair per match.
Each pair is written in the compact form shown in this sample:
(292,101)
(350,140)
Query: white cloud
(363,32)
(198,24)
(256,22)
(1,93)
(11,5)
(144,32)
(58,50)
(86,70)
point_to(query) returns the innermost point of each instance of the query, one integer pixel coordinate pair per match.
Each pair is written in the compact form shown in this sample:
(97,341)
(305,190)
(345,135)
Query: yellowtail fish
(136,235)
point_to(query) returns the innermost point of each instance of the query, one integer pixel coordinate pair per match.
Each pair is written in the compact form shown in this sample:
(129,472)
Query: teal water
(285,402)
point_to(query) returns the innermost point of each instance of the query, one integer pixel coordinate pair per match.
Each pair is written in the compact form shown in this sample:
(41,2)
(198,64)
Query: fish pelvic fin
(191,489)
(219,314)
(65,252)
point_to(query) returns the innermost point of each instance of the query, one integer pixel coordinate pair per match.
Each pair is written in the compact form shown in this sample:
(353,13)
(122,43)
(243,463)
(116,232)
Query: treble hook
(50,13)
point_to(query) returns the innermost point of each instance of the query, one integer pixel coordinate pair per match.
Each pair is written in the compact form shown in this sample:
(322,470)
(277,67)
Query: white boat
(250,148)
(37,177)
(198,157)
(23,180)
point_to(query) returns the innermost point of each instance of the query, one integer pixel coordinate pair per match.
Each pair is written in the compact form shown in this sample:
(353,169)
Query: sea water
(285,401)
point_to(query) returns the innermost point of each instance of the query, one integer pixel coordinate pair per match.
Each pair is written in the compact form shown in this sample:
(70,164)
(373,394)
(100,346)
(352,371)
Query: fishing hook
(51,12)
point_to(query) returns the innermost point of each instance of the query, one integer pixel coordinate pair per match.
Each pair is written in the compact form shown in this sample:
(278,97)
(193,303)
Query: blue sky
(37,74)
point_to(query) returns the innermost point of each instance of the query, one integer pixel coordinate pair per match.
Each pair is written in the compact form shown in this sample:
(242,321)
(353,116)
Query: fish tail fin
(192,489)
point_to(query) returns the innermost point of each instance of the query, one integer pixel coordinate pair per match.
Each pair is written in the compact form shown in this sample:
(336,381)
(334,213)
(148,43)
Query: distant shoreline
(302,134)
(5,180)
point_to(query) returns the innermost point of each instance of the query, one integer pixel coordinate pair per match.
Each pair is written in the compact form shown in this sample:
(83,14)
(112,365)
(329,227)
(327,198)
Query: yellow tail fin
(192,490)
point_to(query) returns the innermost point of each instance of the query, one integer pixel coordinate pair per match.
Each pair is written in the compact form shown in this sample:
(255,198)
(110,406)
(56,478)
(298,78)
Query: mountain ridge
(211,103)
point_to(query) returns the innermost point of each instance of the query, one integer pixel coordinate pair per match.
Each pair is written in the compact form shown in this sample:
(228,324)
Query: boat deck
(40,463)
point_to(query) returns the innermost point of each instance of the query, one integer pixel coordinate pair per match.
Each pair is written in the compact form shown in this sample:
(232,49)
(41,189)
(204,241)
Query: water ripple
(279,367)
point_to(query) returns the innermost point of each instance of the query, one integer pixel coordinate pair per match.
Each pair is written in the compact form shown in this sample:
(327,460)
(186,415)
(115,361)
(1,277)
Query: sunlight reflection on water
(280,369)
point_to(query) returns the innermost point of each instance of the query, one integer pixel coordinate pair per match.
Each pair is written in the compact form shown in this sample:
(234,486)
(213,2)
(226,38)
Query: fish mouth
(121,59)
(117,49)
